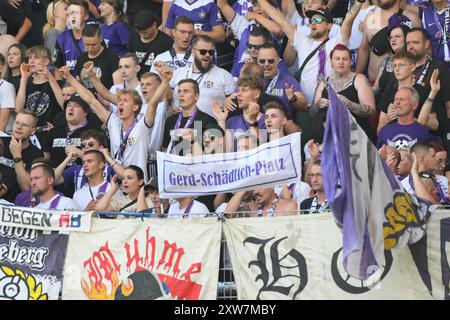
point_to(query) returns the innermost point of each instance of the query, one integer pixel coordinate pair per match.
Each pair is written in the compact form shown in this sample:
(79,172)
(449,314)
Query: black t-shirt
(202,117)
(104,66)
(40,99)
(38,19)
(7,167)
(147,52)
(13,17)
(57,139)
(442,97)
(15,81)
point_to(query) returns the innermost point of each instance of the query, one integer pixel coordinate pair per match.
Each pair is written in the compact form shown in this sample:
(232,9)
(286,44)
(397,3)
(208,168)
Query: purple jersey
(239,126)
(435,26)
(67,51)
(242,7)
(74,176)
(402,136)
(204,13)
(276,87)
(117,37)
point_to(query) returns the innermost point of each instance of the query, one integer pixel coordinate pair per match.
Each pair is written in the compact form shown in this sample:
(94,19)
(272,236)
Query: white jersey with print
(156,138)
(166,57)
(215,85)
(198,209)
(63,204)
(136,150)
(7,97)
(83,196)
(309,78)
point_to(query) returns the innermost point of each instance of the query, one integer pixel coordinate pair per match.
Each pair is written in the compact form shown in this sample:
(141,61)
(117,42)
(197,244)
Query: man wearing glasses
(313,59)
(215,83)
(180,54)
(253,30)
(318,203)
(18,155)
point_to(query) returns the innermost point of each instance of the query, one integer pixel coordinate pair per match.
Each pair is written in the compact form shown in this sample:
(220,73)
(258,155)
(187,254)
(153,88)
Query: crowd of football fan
(92,89)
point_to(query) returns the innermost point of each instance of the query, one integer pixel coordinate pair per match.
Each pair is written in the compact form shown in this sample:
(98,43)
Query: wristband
(254,124)
(293,99)
(361,1)
(430,99)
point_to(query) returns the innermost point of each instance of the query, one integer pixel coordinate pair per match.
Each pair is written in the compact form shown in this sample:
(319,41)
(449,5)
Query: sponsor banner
(31,264)
(274,163)
(142,260)
(300,257)
(48,220)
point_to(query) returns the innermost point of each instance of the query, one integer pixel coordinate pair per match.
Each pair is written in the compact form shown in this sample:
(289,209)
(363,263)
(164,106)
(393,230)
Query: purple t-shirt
(67,50)
(204,13)
(276,87)
(431,21)
(116,37)
(402,136)
(239,126)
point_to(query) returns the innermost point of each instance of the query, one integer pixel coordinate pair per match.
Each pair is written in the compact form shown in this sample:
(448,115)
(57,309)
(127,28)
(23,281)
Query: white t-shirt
(198,209)
(304,46)
(83,196)
(166,57)
(441,180)
(156,138)
(63,204)
(121,86)
(7,97)
(214,85)
(136,151)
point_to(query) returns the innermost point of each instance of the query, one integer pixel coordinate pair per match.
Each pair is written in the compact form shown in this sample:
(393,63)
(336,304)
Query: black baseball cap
(325,13)
(76,98)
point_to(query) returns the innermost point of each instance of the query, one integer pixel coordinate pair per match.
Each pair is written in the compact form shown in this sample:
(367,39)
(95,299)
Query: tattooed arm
(366,105)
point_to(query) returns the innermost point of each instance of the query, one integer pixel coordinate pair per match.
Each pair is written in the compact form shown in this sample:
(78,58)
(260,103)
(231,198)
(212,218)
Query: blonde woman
(56,23)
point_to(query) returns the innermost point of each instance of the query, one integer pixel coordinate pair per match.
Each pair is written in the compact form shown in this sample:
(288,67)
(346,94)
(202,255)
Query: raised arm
(88,68)
(217,34)
(346,28)
(166,76)
(226,10)
(279,18)
(270,25)
(57,91)
(25,72)
(86,95)
(363,51)
(426,117)
(103,204)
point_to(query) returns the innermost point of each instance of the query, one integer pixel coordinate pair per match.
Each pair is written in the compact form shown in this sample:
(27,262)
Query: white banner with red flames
(152,259)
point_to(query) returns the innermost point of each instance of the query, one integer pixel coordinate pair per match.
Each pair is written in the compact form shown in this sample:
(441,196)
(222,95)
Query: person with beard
(266,204)
(313,60)
(318,203)
(374,45)
(436,22)
(19,154)
(215,83)
(42,178)
(253,30)
(69,45)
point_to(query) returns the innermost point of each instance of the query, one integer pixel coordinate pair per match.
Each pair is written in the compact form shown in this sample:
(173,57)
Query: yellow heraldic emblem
(15,285)
(401,215)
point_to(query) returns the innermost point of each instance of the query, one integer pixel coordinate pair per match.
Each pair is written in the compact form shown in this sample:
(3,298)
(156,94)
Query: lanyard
(179,63)
(443,31)
(101,190)
(189,74)
(272,83)
(188,209)
(55,202)
(124,139)
(271,209)
(178,124)
(423,72)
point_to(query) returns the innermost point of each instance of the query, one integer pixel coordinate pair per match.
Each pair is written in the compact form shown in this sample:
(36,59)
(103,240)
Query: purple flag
(368,202)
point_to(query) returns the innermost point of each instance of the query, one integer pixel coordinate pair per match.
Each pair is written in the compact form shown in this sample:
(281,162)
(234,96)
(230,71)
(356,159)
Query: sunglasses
(427,175)
(316,20)
(210,138)
(203,52)
(89,144)
(263,61)
(253,46)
